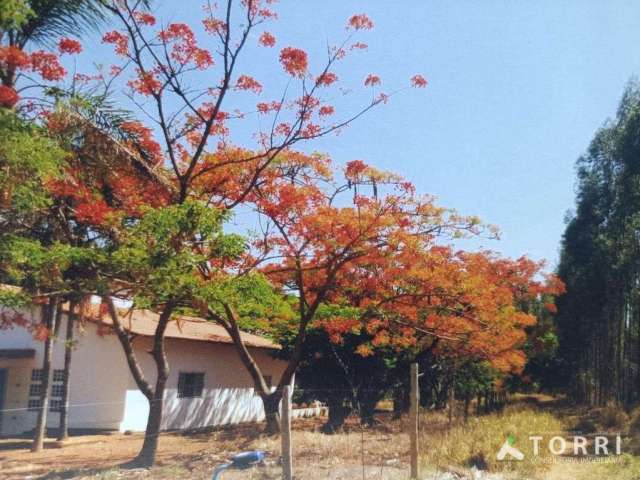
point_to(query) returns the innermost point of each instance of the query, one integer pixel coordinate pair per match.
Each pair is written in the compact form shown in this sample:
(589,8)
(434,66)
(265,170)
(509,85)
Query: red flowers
(143,138)
(8,97)
(372,80)
(94,213)
(360,22)
(185,48)
(326,79)
(144,18)
(146,84)
(47,65)
(418,81)
(326,110)
(70,46)
(294,61)
(12,57)
(267,40)
(355,167)
(119,39)
(214,25)
(245,82)
(265,108)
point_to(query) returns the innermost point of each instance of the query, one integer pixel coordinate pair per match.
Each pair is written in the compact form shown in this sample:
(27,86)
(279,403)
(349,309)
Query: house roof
(144,322)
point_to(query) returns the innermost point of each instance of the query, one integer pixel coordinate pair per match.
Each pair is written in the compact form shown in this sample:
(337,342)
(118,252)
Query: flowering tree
(313,244)
(183,138)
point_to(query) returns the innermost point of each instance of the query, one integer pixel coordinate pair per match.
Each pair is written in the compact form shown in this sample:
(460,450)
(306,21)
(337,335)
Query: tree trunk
(400,401)
(147,455)
(63,430)
(271,403)
(338,413)
(49,320)
(270,400)
(367,403)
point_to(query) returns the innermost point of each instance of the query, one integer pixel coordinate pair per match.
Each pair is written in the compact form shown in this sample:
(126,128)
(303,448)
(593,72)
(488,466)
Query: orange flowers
(360,22)
(184,48)
(119,40)
(47,65)
(13,58)
(267,40)
(8,97)
(372,80)
(245,82)
(294,61)
(70,46)
(144,18)
(146,83)
(418,81)
(326,79)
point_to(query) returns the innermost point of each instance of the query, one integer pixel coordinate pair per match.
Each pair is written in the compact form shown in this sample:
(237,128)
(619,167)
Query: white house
(208,385)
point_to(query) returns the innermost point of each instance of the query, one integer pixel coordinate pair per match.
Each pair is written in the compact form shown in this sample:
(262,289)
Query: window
(190,384)
(35,390)
(57,390)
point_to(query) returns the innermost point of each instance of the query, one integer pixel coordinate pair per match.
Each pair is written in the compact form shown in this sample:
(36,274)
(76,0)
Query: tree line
(599,316)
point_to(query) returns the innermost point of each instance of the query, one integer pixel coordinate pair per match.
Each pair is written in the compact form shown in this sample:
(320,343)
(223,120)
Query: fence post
(413,420)
(287,463)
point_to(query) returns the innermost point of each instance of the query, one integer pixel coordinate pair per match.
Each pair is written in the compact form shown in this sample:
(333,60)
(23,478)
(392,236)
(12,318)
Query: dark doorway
(3,388)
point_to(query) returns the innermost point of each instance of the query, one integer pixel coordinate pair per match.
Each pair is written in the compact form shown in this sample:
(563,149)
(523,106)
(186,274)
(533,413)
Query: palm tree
(41,22)
(50,19)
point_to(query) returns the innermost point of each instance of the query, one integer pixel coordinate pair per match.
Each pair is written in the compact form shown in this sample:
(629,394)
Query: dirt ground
(382,450)
(375,453)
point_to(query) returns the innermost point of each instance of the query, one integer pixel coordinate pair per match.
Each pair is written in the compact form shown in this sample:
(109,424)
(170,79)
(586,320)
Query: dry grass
(376,453)
(477,442)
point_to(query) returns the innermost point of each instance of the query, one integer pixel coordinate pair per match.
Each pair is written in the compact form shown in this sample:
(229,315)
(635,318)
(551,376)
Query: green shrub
(634,422)
(613,418)
(586,425)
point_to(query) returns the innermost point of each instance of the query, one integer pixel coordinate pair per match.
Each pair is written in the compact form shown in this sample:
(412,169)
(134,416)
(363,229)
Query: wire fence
(360,446)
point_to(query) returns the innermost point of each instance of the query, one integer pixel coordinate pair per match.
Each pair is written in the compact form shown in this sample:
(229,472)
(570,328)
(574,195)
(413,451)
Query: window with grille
(35,390)
(190,384)
(57,390)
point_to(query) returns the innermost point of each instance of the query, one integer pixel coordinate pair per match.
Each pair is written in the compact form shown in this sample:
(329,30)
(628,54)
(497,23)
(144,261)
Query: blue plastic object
(240,461)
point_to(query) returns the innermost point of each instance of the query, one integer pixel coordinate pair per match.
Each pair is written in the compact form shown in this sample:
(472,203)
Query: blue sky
(517,89)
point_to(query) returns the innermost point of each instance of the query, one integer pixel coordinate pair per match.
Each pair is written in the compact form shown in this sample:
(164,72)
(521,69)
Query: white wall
(99,376)
(228,395)
(105,396)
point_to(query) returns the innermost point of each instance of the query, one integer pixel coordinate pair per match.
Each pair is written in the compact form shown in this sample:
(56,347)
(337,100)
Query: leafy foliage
(598,319)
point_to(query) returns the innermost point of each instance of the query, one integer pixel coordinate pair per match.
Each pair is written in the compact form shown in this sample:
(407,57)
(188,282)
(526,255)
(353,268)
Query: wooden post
(451,402)
(413,420)
(287,463)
